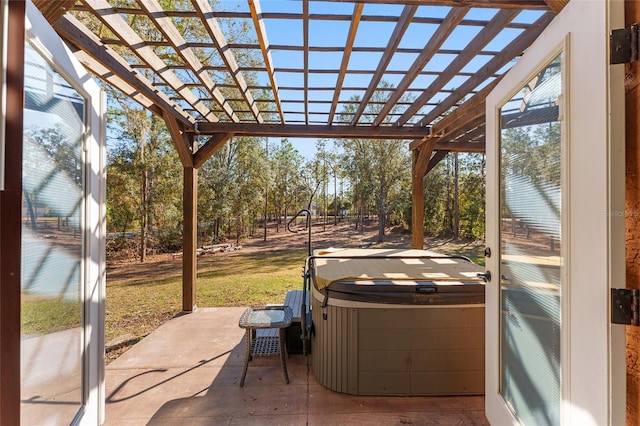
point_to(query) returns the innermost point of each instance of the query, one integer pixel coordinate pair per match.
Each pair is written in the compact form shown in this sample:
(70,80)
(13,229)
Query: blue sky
(333,33)
(306,146)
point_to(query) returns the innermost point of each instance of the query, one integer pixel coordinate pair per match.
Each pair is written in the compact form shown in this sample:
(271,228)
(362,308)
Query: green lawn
(149,296)
(136,307)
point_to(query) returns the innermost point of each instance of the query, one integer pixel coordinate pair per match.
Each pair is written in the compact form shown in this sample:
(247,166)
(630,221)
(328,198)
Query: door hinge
(625,304)
(624,45)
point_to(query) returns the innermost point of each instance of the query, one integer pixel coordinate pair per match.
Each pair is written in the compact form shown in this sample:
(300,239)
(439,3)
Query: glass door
(531,248)
(62,227)
(52,245)
(555,168)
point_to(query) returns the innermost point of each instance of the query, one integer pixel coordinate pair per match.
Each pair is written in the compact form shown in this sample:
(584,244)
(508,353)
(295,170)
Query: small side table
(268,317)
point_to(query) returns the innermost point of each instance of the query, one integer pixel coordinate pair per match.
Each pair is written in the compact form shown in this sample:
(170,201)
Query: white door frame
(593,350)
(40,34)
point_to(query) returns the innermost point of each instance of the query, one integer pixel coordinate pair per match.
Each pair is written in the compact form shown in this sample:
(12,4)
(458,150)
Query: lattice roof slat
(121,28)
(401,26)
(484,36)
(410,62)
(111,64)
(178,43)
(204,13)
(305,44)
(494,65)
(501,4)
(454,17)
(261,32)
(353,28)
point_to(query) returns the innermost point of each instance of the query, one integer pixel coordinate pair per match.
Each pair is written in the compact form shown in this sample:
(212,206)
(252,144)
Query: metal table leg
(283,354)
(247,356)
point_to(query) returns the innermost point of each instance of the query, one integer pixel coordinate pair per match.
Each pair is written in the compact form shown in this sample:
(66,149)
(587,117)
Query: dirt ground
(124,267)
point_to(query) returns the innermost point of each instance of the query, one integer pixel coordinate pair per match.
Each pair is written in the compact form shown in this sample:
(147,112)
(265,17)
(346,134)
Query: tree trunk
(143,227)
(381,203)
(266,207)
(30,210)
(381,220)
(324,223)
(357,213)
(335,201)
(144,196)
(285,211)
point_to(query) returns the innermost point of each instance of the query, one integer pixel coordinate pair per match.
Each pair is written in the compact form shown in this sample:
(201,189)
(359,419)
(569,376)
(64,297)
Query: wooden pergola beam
(501,4)
(165,25)
(103,10)
(464,118)
(209,148)
(115,80)
(312,131)
(474,107)
(182,140)
(477,147)
(353,29)
(305,60)
(466,134)
(479,41)
(203,8)
(421,163)
(435,159)
(513,49)
(53,10)
(401,27)
(556,5)
(226,14)
(457,119)
(443,31)
(112,67)
(261,32)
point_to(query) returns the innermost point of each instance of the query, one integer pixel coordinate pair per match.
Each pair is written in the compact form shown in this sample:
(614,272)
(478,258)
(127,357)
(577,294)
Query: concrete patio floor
(188,371)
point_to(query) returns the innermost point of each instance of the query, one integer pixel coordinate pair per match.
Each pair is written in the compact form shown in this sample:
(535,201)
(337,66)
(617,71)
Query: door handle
(486,277)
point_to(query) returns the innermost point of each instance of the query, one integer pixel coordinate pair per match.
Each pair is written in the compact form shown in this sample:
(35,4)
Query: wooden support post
(417,204)
(185,145)
(11,213)
(189,238)
(419,166)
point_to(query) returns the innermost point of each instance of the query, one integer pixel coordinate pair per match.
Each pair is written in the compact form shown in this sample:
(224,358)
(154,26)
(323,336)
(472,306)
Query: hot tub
(396,322)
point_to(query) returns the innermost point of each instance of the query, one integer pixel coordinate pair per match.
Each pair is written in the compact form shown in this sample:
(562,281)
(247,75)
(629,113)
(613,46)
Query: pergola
(321,73)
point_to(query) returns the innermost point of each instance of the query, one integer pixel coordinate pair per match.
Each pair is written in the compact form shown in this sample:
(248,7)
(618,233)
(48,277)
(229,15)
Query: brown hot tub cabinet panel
(400,348)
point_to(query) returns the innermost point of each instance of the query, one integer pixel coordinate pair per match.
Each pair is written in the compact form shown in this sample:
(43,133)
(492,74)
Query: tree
(231,185)
(472,195)
(286,162)
(144,168)
(138,193)
(378,169)
(54,156)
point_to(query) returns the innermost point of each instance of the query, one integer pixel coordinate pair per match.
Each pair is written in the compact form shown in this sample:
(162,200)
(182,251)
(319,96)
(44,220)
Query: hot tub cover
(391,266)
